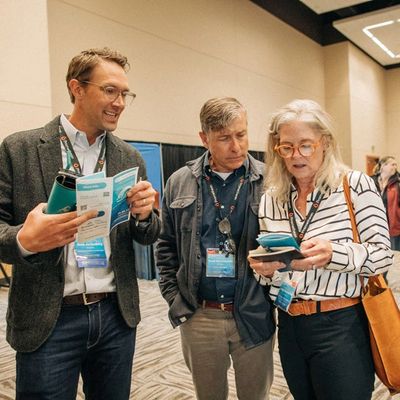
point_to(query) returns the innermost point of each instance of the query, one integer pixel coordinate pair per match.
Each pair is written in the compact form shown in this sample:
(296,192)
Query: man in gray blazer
(64,319)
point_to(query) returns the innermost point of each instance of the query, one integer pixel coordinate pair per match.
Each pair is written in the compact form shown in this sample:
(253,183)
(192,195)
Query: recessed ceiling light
(367,31)
(377,33)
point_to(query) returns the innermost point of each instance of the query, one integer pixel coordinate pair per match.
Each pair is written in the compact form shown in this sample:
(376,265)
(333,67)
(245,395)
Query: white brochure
(108,197)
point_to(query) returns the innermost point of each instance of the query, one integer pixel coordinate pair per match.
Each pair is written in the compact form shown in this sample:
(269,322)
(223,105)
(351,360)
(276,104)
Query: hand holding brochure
(107,195)
(277,247)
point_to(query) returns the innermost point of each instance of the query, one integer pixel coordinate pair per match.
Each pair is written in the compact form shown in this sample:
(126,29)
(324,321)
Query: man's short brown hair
(82,65)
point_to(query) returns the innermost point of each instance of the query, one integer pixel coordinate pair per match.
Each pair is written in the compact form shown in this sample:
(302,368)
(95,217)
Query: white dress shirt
(83,280)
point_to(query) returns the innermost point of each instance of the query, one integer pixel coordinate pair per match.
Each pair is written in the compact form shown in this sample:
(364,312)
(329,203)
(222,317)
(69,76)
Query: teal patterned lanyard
(72,159)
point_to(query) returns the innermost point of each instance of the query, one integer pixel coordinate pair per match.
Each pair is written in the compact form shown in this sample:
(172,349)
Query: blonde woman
(323,331)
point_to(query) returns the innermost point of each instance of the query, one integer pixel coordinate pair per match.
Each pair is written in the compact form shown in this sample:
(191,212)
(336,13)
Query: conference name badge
(220,264)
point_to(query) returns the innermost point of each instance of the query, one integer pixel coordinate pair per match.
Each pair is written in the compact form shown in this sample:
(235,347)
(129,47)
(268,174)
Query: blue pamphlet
(107,195)
(270,240)
(281,247)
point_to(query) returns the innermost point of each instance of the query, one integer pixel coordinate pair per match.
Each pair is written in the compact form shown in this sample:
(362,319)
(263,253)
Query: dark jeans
(327,356)
(92,340)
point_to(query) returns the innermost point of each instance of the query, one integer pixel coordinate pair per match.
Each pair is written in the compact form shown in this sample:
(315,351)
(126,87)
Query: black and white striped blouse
(340,278)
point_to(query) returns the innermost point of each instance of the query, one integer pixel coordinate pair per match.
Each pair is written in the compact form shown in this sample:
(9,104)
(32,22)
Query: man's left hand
(141,198)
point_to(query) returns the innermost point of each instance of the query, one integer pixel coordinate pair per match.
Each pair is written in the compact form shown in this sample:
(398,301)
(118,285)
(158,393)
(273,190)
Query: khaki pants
(209,341)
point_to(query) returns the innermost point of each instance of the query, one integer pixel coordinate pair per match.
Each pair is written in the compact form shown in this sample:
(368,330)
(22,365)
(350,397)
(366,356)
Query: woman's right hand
(265,269)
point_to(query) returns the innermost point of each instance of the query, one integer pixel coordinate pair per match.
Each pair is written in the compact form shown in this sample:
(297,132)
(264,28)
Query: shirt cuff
(340,259)
(25,253)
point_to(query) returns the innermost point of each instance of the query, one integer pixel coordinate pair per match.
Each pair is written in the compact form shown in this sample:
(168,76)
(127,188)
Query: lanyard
(217,203)
(72,159)
(224,225)
(299,235)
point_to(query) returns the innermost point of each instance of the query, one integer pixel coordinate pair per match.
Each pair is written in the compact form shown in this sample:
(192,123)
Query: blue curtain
(151,153)
(144,255)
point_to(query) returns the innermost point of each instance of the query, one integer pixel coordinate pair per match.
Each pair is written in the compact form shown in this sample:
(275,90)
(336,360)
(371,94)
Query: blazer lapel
(49,151)
(113,156)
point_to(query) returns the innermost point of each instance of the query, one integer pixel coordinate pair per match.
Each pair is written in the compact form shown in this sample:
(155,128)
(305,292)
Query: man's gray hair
(218,113)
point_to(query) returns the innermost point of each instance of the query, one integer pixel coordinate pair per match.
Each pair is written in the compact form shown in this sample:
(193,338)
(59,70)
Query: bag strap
(356,235)
(347,195)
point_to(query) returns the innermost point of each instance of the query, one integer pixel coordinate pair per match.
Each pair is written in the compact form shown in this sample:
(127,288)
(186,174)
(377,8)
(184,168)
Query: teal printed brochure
(271,240)
(107,195)
(281,247)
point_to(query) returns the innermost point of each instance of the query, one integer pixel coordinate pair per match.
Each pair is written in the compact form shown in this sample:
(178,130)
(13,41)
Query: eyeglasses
(305,149)
(112,93)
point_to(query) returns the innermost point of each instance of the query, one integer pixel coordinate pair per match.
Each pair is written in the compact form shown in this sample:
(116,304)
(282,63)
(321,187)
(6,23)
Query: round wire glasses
(112,93)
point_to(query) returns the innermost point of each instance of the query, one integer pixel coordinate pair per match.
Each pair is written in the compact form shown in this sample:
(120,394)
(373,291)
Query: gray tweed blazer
(29,162)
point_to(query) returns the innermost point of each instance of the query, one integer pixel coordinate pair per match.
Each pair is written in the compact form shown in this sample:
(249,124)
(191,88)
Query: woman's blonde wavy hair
(278,179)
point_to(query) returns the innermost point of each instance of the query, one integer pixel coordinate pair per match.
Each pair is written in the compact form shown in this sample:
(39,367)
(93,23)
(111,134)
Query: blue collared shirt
(221,289)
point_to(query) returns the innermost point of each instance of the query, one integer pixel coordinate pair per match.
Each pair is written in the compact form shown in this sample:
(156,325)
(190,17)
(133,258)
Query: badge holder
(91,254)
(286,294)
(220,264)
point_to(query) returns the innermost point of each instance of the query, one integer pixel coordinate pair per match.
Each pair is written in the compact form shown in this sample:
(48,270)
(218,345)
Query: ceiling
(371,25)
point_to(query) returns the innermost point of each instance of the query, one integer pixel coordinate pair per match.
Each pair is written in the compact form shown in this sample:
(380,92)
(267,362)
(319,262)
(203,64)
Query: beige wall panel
(393,89)
(336,70)
(204,25)
(236,31)
(268,47)
(368,132)
(201,50)
(337,95)
(16,117)
(24,69)
(338,108)
(356,97)
(368,107)
(367,79)
(393,112)
(393,124)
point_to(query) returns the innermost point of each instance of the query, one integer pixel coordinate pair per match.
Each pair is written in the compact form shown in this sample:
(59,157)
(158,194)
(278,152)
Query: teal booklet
(62,197)
(277,240)
(277,247)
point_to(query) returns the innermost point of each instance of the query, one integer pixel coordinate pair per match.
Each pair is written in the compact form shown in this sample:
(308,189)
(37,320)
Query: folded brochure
(277,247)
(107,195)
(269,240)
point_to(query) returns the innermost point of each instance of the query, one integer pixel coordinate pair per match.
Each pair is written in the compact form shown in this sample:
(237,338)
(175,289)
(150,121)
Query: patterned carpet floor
(159,370)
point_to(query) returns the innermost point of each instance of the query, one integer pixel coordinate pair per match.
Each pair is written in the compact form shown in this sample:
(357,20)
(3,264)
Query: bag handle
(378,280)
(356,235)
(347,195)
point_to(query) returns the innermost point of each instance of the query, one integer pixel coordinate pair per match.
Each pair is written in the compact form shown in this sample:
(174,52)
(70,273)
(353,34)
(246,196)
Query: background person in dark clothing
(387,180)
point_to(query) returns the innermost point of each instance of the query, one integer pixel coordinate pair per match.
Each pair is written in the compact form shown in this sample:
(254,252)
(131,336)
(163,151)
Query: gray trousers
(210,341)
